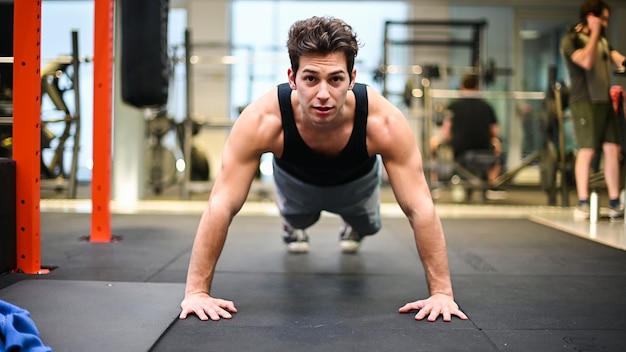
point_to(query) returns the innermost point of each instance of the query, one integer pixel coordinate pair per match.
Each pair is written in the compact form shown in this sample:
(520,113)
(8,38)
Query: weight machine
(423,89)
(162,162)
(487,71)
(59,78)
(192,124)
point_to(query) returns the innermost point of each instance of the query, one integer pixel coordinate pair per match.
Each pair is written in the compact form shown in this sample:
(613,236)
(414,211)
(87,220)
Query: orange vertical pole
(102,122)
(27,133)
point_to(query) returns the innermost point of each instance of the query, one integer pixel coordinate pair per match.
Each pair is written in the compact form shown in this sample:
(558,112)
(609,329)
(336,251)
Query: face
(605,18)
(322,83)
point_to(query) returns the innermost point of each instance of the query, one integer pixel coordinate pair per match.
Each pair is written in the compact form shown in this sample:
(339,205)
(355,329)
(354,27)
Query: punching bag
(145,68)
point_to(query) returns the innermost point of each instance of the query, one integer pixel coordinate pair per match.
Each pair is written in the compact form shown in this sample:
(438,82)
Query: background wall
(210,21)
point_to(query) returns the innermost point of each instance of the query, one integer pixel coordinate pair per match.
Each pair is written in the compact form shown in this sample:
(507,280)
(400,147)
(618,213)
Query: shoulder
(379,106)
(262,108)
(572,40)
(386,124)
(260,123)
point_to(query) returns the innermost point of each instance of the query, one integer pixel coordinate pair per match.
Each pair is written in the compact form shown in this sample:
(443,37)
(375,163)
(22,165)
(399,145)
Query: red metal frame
(27,133)
(102,116)
(27,129)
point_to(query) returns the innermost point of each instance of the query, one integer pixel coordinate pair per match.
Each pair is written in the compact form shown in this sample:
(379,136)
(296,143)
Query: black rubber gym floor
(524,286)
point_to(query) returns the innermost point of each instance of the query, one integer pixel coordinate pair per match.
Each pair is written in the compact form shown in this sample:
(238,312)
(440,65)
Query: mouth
(323,109)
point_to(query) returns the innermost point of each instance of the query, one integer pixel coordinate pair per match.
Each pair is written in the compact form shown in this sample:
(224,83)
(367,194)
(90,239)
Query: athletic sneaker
(296,240)
(349,240)
(616,212)
(582,211)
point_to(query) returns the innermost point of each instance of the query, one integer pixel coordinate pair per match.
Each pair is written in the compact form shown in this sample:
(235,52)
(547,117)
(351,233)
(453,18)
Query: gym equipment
(6,51)
(6,129)
(430,95)
(422,88)
(59,78)
(487,71)
(466,173)
(556,157)
(160,160)
(8,255)
(145,68)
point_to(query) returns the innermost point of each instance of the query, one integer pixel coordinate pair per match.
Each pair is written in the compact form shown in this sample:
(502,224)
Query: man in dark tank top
(329,137)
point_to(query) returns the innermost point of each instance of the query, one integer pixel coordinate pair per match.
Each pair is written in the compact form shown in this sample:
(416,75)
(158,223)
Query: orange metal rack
(27,129)
(27,133)
(102,126)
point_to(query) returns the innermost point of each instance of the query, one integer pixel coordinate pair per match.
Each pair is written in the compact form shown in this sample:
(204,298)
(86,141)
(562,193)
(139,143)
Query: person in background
(471,125)
(588,56)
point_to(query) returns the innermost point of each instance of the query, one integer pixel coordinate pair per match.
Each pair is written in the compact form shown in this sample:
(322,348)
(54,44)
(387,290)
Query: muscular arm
(250,137)
(404,167)
(227,197)
(390,135)
(618,59)
(585,57)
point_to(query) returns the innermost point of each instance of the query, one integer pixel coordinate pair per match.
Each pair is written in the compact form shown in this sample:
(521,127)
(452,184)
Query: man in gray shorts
(588,56)
(307,183)
(329,136)
(356,202)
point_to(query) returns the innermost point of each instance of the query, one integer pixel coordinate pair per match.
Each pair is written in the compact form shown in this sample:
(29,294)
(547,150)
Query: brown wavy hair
(321,36)
(592,6)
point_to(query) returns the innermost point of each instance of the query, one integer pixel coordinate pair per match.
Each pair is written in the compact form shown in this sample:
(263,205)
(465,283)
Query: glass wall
(521,39)
(58,20)
(266,38)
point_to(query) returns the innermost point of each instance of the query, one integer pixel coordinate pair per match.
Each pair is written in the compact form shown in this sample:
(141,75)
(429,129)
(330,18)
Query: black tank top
(310,167)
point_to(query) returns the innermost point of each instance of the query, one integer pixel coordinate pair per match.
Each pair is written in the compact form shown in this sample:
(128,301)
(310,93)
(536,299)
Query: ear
(292,78)
(353,79)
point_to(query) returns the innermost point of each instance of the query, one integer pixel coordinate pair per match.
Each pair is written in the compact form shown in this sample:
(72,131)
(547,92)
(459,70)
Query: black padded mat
(97,315)
(525,287)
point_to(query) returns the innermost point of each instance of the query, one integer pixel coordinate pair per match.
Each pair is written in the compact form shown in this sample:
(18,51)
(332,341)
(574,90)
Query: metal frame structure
(474,44)
(27,133)
(102,121)
(27,129)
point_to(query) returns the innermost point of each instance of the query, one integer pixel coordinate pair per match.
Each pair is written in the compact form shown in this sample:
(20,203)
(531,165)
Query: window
(262,26)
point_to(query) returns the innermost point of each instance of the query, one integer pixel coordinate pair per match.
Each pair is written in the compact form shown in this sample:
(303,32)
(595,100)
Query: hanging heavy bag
(145,68)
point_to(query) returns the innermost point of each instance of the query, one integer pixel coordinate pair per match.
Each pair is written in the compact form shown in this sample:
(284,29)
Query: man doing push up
(328,136)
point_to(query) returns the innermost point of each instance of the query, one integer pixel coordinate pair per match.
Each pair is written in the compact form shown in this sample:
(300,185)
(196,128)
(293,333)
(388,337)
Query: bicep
(574,50)
(404,166)
(240,162)
(233,181)
(390,135)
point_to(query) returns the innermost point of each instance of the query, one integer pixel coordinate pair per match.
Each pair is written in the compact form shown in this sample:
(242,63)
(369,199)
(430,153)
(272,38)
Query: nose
(322,92)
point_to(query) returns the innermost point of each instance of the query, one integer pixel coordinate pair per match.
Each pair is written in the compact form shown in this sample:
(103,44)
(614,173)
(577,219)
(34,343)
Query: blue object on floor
(18,331)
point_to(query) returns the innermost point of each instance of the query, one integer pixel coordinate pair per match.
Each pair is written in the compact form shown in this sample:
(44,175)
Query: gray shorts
(356,202)
(595,124)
